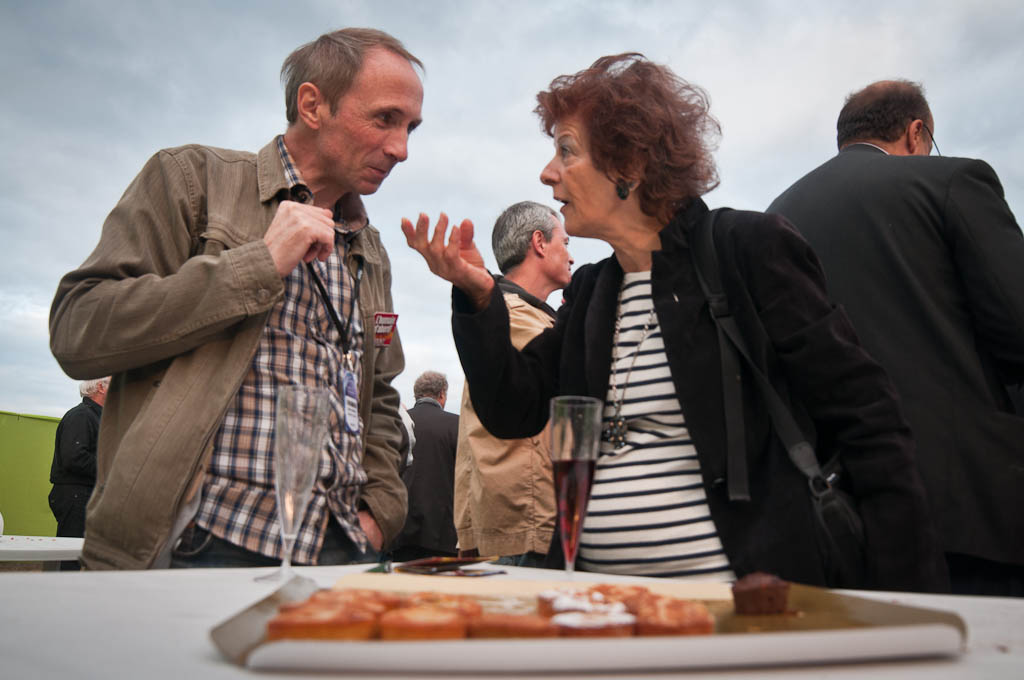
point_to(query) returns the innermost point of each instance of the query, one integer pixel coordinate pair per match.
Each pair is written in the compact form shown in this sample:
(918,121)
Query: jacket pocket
(220,236)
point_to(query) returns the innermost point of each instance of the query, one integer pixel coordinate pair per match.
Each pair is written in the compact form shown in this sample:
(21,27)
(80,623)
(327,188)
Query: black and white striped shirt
(648,514)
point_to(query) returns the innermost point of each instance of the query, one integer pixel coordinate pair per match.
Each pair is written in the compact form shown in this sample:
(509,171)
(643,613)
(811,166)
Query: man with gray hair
(504,488)
(219,277)
(429,530)
(73,472)
(430,385)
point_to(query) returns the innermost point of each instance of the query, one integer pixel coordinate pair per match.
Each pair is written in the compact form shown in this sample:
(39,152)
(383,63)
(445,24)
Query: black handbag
(839,528)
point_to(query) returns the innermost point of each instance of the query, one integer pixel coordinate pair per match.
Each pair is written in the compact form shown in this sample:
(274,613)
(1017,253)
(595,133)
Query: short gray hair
(430,384)
(331,62)
(88,388)
(513,231)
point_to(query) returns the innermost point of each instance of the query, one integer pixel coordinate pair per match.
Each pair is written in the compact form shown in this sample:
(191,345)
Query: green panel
(26,452)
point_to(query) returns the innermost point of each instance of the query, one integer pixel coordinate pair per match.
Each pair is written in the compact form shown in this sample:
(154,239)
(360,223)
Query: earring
(622,189)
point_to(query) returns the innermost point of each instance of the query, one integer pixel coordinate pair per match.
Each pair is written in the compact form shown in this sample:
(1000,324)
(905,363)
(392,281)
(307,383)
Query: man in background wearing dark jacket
(429,528)
(73,473)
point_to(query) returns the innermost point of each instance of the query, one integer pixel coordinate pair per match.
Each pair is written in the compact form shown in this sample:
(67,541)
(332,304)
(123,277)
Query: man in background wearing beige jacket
(504,491)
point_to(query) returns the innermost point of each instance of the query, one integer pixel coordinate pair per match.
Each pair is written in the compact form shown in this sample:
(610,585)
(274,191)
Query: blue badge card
(348,386)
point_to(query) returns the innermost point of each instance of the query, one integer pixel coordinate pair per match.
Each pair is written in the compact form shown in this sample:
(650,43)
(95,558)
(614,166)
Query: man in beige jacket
(504,490)
(221,275)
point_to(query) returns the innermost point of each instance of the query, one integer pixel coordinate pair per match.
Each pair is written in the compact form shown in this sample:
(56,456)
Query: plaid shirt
(300,345)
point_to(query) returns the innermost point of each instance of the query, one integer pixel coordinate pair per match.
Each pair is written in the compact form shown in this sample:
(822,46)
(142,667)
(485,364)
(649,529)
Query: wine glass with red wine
(575,428)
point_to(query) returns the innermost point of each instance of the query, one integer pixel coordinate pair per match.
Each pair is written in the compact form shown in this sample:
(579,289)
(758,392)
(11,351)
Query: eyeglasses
(931,137)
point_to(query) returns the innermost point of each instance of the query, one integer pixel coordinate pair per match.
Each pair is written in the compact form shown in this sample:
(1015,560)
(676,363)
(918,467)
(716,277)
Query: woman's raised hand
(457,261)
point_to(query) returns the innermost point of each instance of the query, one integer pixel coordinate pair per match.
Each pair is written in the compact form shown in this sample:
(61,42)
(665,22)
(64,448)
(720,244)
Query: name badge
(384,324)
(348,387)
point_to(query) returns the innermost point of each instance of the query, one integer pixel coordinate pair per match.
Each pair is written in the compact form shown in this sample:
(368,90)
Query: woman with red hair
(632,159)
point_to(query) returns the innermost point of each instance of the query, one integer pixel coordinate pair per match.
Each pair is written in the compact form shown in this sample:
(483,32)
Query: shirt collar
(301,192)
(508,286)
(873,146)
(296,186)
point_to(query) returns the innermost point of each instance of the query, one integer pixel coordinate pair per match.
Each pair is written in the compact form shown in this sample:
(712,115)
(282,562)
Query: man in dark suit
(429,525)
(928,260)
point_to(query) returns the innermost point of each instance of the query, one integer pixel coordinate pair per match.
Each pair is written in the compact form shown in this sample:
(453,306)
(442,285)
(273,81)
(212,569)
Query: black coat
(928,261)
(815,356)
(73,471)
(430,479)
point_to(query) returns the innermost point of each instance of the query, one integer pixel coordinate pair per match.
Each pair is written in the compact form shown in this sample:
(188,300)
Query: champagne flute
(300,431)
(575,434)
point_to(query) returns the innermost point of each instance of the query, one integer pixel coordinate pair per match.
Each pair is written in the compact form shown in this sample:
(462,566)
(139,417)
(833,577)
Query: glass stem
(287,545)
(570,560)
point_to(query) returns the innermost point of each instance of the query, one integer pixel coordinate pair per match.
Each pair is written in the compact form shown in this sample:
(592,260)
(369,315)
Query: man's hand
(458,262)
(372,531)
(299,232)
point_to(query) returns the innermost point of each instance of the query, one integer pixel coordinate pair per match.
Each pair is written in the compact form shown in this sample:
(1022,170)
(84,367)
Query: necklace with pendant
(615,430)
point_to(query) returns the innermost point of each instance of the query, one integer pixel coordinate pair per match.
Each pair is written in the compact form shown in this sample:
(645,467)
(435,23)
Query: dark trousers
(969,575)
(527,559)
(198,548)
(67,503)
(407,553)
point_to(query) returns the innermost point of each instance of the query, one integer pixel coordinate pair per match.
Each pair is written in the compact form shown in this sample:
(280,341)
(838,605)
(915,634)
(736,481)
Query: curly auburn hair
(644,122)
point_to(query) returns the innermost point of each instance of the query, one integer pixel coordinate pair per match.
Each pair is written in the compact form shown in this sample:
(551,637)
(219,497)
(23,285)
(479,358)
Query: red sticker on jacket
(384,324)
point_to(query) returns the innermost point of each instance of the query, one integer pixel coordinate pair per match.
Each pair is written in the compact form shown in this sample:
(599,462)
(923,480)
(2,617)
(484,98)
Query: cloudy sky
(92,89)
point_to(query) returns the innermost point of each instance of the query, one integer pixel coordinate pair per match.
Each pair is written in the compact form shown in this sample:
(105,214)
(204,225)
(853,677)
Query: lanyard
(342,329)
(302,194)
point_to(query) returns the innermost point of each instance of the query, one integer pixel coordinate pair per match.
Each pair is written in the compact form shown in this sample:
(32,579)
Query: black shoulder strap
(705,264)
(730,341)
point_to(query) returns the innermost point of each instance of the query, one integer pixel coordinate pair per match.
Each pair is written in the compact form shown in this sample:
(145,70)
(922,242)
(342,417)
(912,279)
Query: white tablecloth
(39,548)
(155,624)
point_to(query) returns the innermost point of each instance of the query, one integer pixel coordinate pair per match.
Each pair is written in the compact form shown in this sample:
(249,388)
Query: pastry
(630,596)
(322,621)
(605,610)
(760,593)
(662,615)
(466,606)
(495,625)
(422,623)
(375,601)
(594,624)
(563,600)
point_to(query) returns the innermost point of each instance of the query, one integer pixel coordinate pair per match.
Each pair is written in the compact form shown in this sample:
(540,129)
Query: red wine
(572,489)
